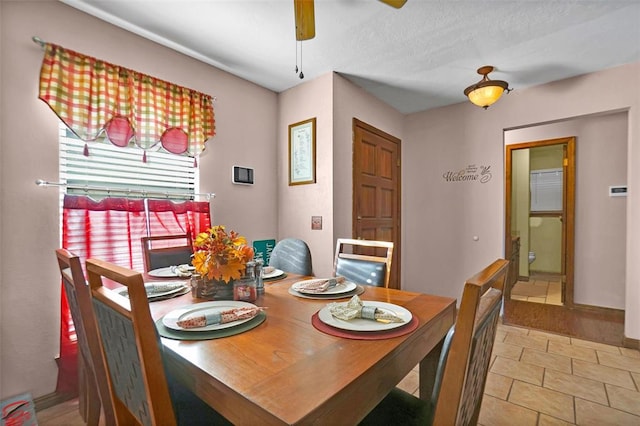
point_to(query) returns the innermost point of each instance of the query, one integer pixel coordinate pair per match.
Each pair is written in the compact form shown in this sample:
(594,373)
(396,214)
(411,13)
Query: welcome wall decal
(471,173)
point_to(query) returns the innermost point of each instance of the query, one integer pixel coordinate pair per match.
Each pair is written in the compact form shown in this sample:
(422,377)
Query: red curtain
(111,230)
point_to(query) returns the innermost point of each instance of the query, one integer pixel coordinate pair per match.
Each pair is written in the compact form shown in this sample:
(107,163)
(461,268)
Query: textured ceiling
(415,58)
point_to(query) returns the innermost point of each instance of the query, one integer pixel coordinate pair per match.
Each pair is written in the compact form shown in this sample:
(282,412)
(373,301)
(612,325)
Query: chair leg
(89,403)
(82,388)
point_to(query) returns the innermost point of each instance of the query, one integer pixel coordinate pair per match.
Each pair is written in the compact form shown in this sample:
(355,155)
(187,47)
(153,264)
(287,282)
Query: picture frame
(302,152)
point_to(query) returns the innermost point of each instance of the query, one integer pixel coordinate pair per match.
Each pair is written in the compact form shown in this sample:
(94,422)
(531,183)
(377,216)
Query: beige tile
(496,412)
(576,352)
(519,297)
(506,350)
(541,283)
(636,378)
(603,373)
(619,361)
(498,386)
(518,370)
(554,301)
(537,299)
(514,329)
(500,335)
(529,290)
(624,399)
(555,404)
(575,386)
(591,414)
(410,382)
(547,360)
(546,420)
(595,345)
(631,353)
(550,336)
(535,342)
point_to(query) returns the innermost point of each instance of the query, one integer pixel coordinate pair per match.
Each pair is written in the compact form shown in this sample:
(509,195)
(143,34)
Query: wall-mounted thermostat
(242,175)
(618,191)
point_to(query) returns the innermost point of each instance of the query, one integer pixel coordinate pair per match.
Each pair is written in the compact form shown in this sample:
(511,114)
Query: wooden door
(376,190)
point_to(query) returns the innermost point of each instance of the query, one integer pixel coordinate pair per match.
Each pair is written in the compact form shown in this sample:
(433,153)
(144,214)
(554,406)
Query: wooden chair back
(360,261)
(292,255)
(166,250)
(130,344)
(93,388)
(467,362)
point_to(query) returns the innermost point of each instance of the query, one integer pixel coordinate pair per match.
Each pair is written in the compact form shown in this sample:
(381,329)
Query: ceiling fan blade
(394,3)
(305,19)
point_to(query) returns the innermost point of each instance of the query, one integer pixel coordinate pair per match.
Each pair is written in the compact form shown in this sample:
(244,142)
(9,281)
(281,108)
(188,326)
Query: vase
(203,288)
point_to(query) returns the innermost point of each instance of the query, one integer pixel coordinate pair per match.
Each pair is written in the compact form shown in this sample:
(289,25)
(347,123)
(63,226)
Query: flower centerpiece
(220,258)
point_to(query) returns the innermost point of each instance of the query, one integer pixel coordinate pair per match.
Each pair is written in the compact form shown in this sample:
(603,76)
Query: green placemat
(208,335)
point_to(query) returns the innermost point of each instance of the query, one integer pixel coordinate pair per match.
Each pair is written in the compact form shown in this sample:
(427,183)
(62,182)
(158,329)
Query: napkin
(223,317)
(319,285)
(183,270)
(356,309)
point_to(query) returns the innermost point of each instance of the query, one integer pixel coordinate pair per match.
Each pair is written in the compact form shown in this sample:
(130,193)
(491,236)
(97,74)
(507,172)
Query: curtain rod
(208,195)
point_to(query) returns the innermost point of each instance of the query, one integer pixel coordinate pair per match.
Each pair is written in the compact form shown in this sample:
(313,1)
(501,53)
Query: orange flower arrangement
(221,256)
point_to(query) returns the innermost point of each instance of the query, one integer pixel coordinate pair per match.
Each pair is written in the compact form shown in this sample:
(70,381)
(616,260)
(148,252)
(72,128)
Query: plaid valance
(96,99)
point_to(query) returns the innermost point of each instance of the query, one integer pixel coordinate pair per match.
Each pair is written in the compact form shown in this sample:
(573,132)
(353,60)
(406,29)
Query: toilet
(532,257)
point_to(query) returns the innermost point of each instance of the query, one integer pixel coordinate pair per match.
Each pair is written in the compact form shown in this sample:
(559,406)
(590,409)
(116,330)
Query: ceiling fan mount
(305,17)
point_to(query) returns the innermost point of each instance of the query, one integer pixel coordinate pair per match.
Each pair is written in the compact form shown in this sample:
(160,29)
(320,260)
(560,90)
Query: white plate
(174,316)
(343,287)
(360,324)
(275,273)
(159,289)
(171,272)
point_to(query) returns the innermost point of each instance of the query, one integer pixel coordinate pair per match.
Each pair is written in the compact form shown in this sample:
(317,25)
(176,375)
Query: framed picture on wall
(302,152)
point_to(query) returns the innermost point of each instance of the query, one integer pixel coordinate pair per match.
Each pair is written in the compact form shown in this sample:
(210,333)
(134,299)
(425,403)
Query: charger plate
(209,335)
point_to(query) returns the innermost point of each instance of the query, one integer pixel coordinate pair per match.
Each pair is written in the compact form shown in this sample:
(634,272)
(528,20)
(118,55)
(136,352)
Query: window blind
(546,190)
(119,169)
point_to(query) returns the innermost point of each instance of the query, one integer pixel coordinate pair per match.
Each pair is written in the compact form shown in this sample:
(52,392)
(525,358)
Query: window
(113,171)
(113,199)
(546,190)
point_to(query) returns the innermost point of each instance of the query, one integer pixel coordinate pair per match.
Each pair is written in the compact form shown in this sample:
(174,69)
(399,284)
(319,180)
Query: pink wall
(442,218)
(29,281)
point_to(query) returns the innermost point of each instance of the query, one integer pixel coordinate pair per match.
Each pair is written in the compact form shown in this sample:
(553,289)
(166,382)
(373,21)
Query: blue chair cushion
(362,271)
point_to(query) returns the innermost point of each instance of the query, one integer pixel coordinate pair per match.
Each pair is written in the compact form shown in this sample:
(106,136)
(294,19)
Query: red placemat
(364,335)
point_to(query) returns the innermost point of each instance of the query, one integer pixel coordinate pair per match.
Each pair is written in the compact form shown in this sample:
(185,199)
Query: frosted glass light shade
(486,92)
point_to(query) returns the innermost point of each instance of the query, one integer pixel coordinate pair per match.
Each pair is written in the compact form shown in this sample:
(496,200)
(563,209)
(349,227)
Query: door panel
(376,190)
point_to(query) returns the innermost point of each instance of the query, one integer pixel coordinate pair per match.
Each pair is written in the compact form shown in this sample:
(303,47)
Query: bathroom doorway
(539,225)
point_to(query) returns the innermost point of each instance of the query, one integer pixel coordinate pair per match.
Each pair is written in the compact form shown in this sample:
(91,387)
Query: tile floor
(535,378)
(538,290)
(538,378)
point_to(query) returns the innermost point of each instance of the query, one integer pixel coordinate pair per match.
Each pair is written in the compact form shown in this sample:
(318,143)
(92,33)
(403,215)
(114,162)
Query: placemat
(208,335)
(319,296)
(364,335)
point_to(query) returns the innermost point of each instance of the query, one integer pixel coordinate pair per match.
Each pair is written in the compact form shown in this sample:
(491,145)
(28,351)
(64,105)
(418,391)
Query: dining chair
(292,255)
(142,391)
(464,361)
(166,250)
(93,389)
(359,261)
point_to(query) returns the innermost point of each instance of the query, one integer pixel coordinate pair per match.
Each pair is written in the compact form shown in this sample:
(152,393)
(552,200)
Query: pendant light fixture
(486,92)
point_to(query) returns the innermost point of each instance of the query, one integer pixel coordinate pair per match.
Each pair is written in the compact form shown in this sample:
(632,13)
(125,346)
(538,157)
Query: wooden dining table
(287,372)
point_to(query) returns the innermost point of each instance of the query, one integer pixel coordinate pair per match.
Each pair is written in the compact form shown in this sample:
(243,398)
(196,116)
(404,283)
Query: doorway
(376,190)
(542,205)
(539,230)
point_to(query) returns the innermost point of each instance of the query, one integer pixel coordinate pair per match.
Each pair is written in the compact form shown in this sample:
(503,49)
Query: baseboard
(630,343)
(51,399)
